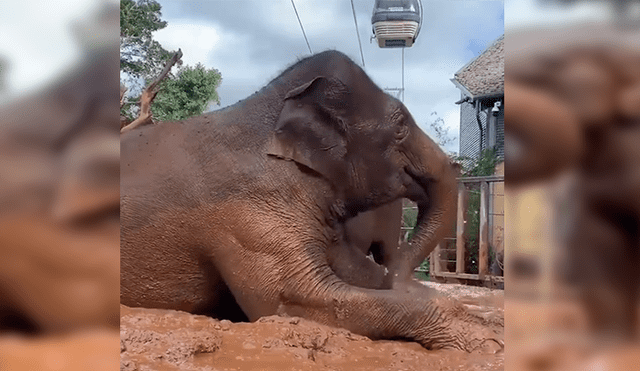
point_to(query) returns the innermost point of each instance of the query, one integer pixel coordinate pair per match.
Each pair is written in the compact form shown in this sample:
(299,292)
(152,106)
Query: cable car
(396,23)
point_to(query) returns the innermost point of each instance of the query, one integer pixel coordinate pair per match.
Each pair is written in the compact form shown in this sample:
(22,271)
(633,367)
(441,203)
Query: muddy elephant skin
(247,204)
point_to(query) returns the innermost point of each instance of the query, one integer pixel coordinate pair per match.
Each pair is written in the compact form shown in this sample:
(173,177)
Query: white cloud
(197,41)
(37,40)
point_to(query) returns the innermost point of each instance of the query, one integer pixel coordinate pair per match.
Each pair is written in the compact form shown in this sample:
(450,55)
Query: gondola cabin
(396,23)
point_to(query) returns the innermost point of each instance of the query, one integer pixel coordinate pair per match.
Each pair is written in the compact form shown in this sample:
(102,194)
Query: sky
(251,42)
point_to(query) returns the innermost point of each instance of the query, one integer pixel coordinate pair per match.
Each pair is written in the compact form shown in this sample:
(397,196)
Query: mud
(154,339)
(86,349)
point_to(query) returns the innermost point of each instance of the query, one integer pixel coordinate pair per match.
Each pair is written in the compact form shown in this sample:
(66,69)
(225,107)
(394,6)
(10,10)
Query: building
(481,82)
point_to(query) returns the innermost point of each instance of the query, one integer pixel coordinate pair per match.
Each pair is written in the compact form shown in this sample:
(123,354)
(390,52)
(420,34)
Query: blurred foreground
(573,198)
(59,214)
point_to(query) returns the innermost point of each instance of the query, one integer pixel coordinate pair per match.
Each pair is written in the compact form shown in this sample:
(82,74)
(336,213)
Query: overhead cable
(357,33)
(299,21)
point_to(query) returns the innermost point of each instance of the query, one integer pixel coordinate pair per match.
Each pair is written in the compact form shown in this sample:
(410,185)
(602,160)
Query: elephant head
(368,147)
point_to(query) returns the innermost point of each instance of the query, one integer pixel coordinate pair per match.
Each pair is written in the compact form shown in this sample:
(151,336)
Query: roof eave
(464,90)
(490,96)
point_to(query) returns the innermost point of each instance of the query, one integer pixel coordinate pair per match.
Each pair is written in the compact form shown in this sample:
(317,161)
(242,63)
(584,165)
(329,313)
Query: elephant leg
(382,314)
(371,244)
(351,265)
(304,285)
(607,258)
(388,226)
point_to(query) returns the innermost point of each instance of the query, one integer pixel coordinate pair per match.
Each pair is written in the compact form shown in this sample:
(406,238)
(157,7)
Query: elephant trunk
(433,188)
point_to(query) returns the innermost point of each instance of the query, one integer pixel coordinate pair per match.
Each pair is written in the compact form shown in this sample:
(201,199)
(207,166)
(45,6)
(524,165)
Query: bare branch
(149,94)
(123,90)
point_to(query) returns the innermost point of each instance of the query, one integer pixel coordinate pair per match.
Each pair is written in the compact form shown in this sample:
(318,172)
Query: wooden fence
(490,235)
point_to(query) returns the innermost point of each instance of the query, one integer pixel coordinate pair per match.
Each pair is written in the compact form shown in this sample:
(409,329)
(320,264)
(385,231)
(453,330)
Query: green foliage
(187,94)
(181,95)
(410,217)
(473,230)
(140,18)
(486,163)
(140,56)
(424,274)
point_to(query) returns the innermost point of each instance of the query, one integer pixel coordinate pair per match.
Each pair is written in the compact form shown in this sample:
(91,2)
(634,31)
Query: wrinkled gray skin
(245,205)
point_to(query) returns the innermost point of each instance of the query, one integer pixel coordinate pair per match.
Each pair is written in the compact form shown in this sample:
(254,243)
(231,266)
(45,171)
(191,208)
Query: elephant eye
(399,122)
(402,130)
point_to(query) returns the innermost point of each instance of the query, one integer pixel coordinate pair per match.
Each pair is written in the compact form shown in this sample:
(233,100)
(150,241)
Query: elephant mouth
(375,253)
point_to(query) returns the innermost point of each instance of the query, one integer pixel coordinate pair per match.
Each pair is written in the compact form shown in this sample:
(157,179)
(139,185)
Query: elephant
(245,208)
(577,107)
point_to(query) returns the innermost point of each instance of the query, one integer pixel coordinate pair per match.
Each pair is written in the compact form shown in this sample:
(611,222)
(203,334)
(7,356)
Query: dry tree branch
(149,94)
(124,121)
(123,89)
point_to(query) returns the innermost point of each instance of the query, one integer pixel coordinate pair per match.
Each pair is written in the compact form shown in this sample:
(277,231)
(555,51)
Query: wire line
(357,33)
(299,21)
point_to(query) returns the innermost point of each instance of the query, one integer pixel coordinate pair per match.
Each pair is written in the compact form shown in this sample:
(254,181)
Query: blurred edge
(59,205)
(571,270)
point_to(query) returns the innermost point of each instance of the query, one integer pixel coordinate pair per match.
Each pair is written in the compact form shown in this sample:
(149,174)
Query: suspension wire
(299,21)
(357,33)
(402,89)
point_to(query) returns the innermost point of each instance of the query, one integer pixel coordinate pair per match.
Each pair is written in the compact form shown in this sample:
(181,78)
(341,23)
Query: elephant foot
(452,326)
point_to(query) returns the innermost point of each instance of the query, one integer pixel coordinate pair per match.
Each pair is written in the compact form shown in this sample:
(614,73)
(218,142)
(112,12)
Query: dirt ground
(153,339)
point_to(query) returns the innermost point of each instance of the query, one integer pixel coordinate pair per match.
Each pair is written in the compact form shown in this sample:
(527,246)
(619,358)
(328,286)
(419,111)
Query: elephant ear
(311,129)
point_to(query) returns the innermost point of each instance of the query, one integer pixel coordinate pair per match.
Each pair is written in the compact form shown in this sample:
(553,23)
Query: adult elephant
(252,200)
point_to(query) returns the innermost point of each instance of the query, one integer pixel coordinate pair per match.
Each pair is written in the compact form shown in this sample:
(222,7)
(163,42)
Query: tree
(188,94)
(141,57)
(142,60)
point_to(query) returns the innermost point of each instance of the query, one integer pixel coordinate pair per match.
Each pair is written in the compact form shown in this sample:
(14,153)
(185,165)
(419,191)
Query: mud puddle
(153,339)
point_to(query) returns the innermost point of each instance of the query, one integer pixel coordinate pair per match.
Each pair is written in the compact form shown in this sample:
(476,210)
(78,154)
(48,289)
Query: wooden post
(434,260)
(483,252)
(460,228)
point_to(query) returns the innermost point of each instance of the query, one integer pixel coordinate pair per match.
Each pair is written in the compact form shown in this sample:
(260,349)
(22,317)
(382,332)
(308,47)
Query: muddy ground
(153,339)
